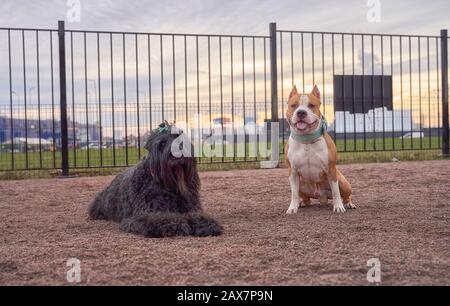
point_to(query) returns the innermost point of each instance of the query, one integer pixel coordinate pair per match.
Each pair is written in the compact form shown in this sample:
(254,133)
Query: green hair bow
(164,127)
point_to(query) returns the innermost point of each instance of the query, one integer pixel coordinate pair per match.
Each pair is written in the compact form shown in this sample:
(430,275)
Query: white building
(394,121)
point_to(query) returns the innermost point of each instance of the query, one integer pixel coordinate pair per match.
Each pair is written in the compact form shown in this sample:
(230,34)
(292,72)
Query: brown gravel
(403,219)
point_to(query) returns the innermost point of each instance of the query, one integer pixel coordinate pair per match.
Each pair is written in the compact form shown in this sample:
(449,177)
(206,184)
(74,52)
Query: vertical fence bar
(363,91)
(38,78)
(149,81)
(199,122)
(221,97)
(401,90)
(232,97)
(138,116)
(333,71)
(420,93)
(391,49)
(209,93)
(438,97)
(265,88)
(25,98)
(112,101)
(243,97)
(174,81)
(410,94)
(63,101)
(186,83)
(312,60)
(445,112)
(53,100)
(265,79)
(162,75)
(323,78)
(274,70)
(255,116)
(382,91)
(125,97)
(343,90)
(374,137)
(353,93)
(11,100)
(292,60)
(73,103)
(86,92)
(99,100)
(303,62)
(282,85)
(429,92)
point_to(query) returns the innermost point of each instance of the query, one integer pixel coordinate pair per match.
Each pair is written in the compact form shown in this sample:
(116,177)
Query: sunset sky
(249,17)
(232,16)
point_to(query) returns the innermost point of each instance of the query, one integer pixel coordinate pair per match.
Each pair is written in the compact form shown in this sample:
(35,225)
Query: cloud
(233,16)
(250,17)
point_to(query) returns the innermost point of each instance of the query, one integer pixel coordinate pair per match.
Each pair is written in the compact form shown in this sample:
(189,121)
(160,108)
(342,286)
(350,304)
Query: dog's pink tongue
(302,125)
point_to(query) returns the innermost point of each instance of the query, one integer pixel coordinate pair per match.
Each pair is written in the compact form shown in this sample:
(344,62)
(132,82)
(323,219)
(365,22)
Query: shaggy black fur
(159,197)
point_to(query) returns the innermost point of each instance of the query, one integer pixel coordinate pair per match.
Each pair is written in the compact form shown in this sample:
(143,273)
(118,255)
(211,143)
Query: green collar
(311,137)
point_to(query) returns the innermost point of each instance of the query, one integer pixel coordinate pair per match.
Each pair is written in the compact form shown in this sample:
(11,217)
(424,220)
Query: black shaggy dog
(159,197)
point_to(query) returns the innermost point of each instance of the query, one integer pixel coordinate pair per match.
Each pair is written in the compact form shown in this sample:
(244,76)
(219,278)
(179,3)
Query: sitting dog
(311,156)
(159,197)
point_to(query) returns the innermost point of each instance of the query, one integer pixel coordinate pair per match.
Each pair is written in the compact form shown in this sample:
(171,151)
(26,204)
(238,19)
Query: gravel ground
(403,218)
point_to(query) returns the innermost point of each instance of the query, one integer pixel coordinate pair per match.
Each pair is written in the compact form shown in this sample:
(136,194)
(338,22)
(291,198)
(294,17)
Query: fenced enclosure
(73,99)
(402,112)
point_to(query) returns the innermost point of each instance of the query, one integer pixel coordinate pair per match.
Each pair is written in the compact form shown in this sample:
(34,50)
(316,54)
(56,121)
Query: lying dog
(311,156)
(159,197)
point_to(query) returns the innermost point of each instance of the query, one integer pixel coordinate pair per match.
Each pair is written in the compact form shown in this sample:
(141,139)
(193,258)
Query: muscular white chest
(309,160)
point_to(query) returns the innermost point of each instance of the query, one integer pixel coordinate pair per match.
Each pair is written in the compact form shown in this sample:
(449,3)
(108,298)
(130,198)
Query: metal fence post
(63,101)
(445,112)
(274,71)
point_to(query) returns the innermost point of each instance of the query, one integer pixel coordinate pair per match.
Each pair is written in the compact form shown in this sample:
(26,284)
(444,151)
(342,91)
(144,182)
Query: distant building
(372,121)
(31,130)
(22,144)
(47,130)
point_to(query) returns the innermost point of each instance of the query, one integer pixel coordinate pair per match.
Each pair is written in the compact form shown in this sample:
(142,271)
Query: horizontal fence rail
(72,99)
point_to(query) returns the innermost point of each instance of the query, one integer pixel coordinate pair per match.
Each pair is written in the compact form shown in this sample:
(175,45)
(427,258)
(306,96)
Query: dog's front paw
(212,229)
(293,208)
(350,206)
(338,207)
(203,226)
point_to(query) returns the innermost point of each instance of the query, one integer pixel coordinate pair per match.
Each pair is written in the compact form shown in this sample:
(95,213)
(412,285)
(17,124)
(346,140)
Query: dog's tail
(158,225)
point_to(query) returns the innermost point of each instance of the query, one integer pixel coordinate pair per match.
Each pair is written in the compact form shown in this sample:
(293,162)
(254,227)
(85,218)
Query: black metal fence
(73,99)
(405,112)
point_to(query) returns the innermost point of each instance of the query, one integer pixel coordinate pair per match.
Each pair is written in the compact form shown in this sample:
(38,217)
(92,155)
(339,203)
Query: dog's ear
(316,92)
(294,94)
(149,141)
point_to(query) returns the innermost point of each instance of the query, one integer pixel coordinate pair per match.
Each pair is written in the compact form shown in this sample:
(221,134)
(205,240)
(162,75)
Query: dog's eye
(293,106)
(310,105)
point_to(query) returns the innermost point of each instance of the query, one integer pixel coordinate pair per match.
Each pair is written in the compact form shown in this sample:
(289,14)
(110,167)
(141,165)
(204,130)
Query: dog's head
(167,166)
(303,111)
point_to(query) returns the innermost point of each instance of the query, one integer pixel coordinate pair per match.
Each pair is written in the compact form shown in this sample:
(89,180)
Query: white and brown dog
(311,156)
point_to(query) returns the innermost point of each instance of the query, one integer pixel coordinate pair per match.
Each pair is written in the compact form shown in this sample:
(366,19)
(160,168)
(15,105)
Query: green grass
(380,144)
(373,150)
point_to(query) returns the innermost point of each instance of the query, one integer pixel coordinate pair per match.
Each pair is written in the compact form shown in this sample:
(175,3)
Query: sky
(246,17)
(232,16)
